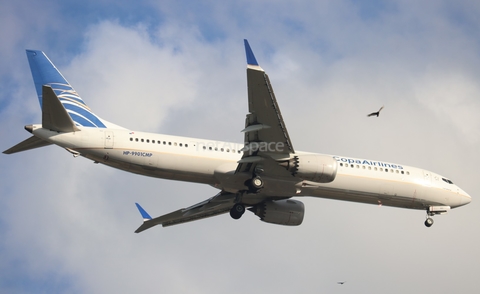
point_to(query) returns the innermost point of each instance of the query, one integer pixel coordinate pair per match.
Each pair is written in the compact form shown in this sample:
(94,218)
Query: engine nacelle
(312,167)
(281,212)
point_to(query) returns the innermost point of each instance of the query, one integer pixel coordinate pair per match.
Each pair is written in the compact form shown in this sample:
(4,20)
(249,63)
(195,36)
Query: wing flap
(264,122)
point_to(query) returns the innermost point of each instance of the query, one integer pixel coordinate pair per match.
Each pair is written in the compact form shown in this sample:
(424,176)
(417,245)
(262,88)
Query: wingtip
(144,214)
(251,60)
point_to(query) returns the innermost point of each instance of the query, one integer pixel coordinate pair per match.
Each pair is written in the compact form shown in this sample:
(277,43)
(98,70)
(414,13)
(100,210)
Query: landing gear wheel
(256,183)
(237,211)
(429,222)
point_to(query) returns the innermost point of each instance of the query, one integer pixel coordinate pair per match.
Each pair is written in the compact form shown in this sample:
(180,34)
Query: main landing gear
(237,211)
(255,184)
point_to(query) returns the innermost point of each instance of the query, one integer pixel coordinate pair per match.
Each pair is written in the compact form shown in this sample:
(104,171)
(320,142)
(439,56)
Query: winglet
(147,220)
(145,215)
(251,60)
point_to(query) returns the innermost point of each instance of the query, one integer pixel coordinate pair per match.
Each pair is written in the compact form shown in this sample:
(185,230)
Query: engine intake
(281,212)
(312,167)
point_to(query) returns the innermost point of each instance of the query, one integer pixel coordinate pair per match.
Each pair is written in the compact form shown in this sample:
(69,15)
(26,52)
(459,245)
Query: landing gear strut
(433,210)
(237,211)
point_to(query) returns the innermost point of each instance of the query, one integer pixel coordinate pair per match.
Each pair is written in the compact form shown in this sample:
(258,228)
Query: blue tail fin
(45,73)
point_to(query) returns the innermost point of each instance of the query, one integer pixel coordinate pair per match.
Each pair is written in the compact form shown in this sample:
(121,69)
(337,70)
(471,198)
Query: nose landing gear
(433,210)
(429,222)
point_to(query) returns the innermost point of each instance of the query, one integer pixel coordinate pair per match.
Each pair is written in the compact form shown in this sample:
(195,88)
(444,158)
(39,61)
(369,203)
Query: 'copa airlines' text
(367,162)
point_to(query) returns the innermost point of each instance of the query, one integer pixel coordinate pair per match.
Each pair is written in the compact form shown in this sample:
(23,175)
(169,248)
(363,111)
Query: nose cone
(464,198)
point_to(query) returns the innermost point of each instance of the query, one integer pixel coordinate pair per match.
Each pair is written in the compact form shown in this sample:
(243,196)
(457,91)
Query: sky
(178,67)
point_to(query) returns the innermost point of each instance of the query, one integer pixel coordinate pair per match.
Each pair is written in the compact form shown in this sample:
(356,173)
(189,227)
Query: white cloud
(453,96)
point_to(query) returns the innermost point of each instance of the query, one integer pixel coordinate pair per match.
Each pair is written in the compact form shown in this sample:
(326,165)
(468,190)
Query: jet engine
(280,212)
(312,167)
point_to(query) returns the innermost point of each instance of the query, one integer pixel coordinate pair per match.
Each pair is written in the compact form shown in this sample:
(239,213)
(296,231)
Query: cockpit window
(447,181)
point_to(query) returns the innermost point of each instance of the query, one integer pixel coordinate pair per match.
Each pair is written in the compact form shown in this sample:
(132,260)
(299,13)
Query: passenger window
(148,141)
(131,139)
(186,145)
(136,139)
(141,140)
(180,144)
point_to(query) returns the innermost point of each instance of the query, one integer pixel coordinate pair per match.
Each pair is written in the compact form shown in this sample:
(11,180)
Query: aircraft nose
(465,198)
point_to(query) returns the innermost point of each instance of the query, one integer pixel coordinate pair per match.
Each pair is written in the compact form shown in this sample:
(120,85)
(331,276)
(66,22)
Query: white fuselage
(214,163)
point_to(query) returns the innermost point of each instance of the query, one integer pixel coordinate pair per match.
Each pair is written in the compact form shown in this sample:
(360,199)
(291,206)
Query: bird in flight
(341,283)
(376,113)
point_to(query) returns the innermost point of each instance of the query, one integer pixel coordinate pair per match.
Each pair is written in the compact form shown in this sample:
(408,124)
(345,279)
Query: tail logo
(44,72)
(76,108)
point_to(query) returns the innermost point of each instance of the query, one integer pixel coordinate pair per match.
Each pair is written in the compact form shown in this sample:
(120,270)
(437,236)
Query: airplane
(262,175)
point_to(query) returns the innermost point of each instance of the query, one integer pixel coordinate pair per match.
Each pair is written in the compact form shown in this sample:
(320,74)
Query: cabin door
(108,139)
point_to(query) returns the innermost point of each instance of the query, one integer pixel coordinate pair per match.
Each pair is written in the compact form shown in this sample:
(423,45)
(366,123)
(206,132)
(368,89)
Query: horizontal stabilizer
(30,143)
(219,204)
(54,115)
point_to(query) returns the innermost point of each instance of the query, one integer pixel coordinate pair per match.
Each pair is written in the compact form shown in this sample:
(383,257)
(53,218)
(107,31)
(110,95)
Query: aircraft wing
(267,144)
(218,204)
(266,136)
